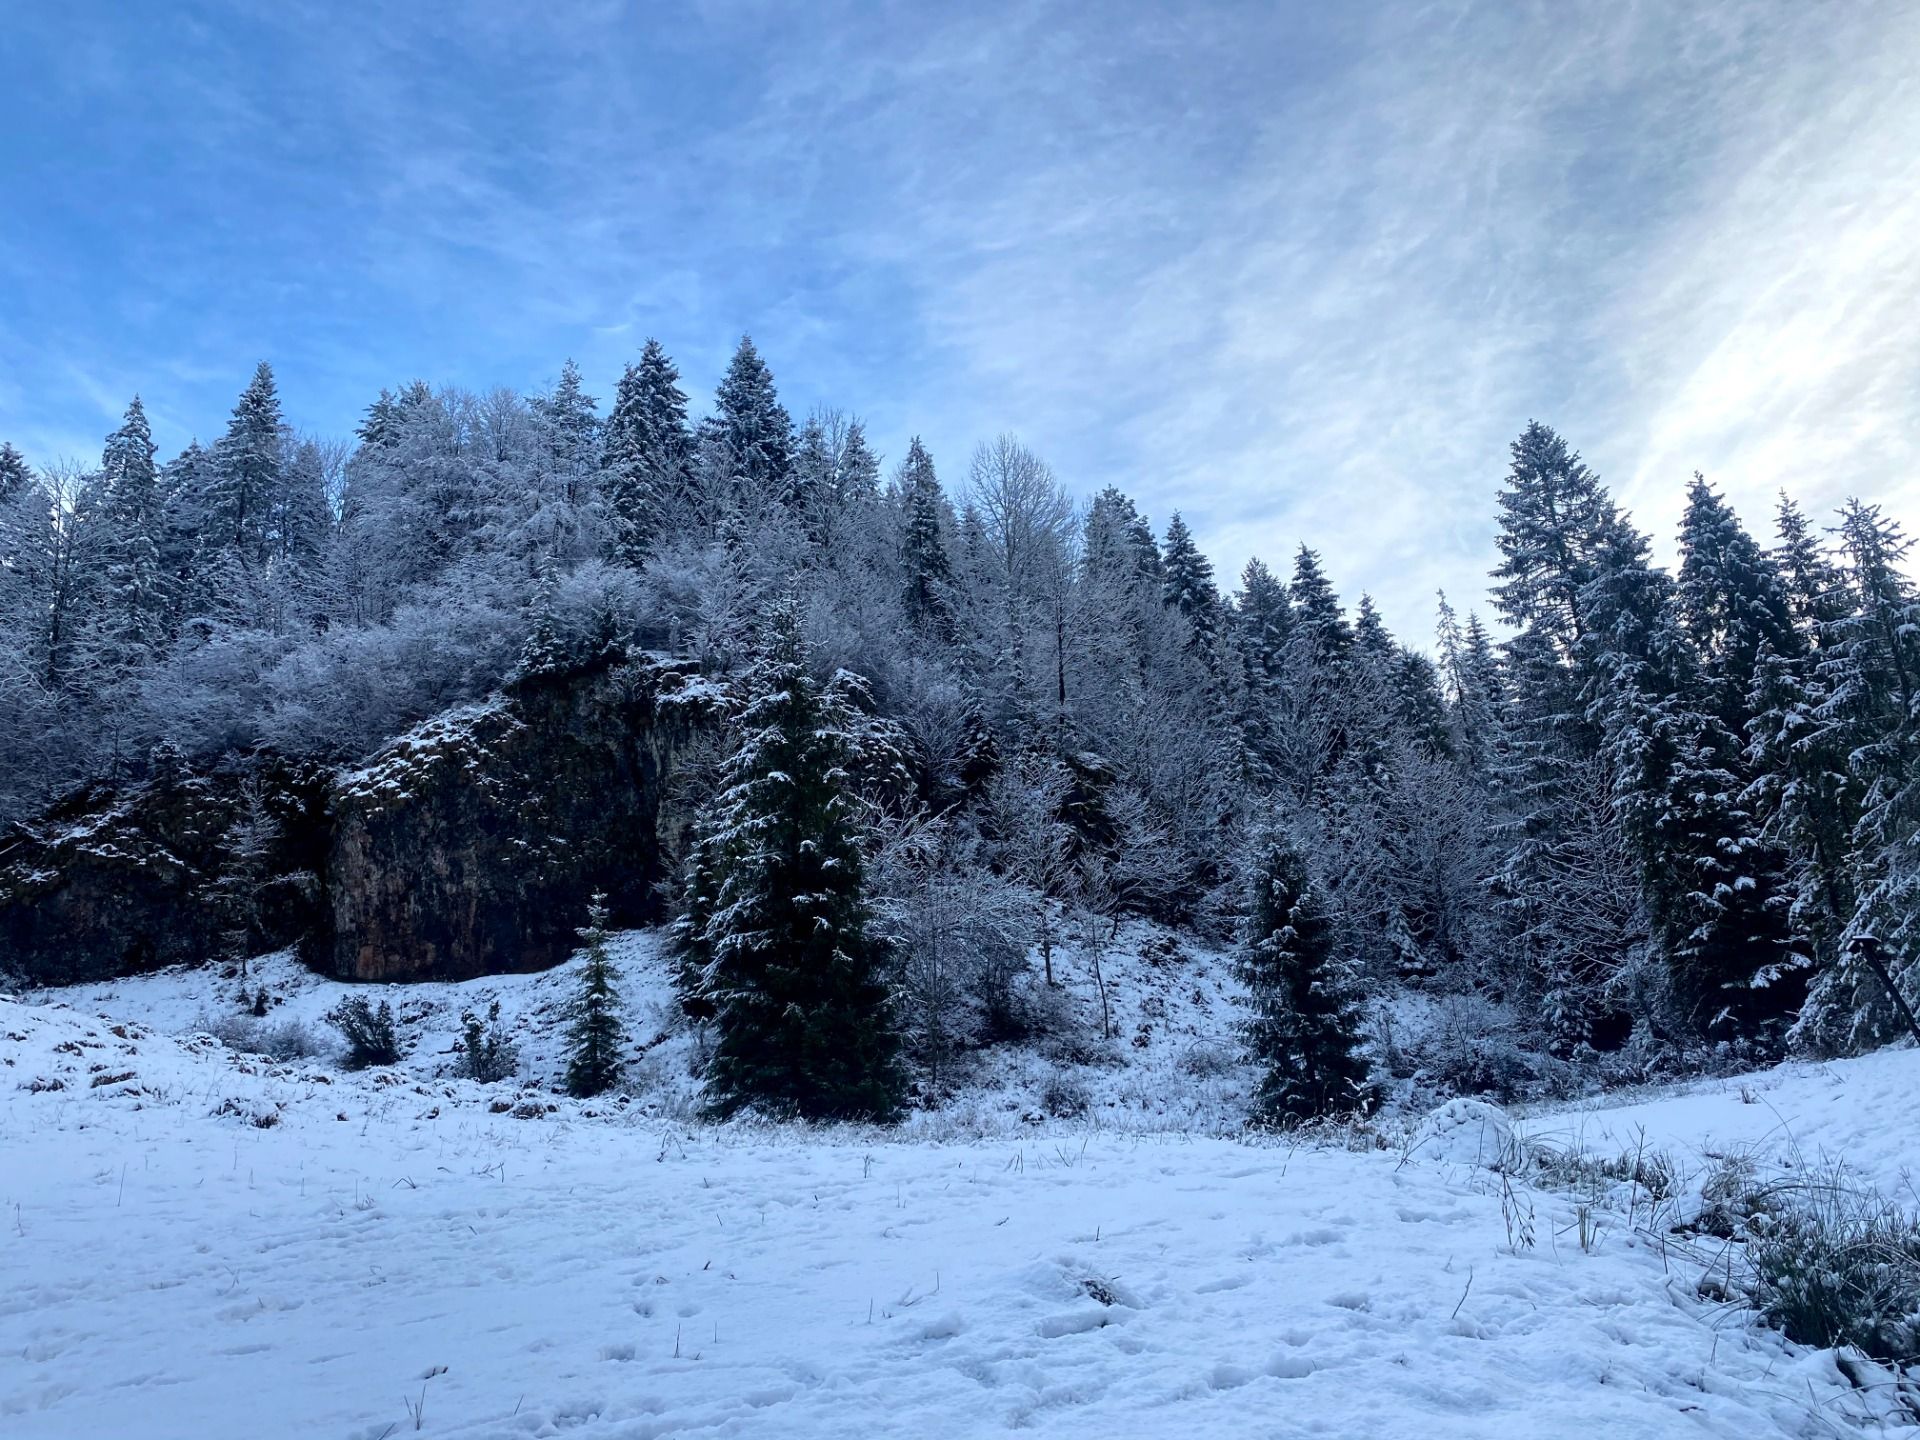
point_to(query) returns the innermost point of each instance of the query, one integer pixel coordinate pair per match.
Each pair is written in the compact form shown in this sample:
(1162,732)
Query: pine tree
(132,620)
(1816,591)
(15,474)
(646,454)
(595,1033)
(544,651)
(1474,690)
(1306,1012)
(1869,669)
(752,425)
(1187,584)
(802,1014)
(929,590)
(568,419)
(1317,613)
(1554,519)
(1730,601)
(246,468)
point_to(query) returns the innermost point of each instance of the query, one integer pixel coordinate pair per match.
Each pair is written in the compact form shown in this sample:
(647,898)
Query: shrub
(289,1040)
(1837,1266)
(1205,1060)
(368,1031)
(487,1052)
(1063,1096)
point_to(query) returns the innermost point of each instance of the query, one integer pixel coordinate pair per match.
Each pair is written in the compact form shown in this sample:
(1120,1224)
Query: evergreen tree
(1305,1026)
(544,651)
(1731,602)
(595,1032)
(928,597)
(1869,670)
(1317,613)
(647,453)
(246,470)
(15,474)
(1554,519)
(1816,591)
(752,425)
(1473,688)
(132,620)
(1187,583)
(802,1013)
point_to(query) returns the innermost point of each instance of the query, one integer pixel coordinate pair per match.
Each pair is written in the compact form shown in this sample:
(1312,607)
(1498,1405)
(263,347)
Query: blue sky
(1300,271)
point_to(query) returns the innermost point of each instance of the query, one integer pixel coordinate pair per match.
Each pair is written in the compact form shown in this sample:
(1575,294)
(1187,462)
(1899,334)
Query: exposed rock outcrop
(468,846)
(179,869)
(471,845)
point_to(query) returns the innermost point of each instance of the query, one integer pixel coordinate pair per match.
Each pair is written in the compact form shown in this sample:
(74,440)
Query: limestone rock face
(114,881)
(468,846)
(471,845)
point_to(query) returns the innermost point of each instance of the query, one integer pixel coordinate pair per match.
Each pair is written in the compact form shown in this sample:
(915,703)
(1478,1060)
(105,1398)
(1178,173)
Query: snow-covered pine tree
(1869,670)
(15,473)
(802,1011)
(1187,584)
(645,455)
(130,622)
(928,597)
(1816,590)
(544,651)
(752,425)
(246,470)
(1305,1026)
(595,1031)
(1730,602)
(1474,690)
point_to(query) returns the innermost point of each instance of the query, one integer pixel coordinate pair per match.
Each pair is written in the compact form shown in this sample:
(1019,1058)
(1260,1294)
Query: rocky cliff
(471,845)
(468,846)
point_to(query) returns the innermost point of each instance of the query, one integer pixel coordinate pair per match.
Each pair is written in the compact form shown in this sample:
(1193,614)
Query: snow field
(170,1267)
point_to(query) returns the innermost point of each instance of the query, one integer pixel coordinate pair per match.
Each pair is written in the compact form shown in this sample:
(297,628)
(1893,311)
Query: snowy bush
(285,1040)
(367,1030)
(1834,1265)
(1205,1060)
(487,1053)
(1471,1049)
(1064,1095)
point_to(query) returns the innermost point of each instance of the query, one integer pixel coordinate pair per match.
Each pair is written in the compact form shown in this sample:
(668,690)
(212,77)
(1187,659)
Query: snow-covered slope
(197,1244)
(1170,1061)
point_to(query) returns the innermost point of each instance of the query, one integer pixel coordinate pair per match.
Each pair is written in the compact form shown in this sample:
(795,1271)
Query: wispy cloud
(1300,272)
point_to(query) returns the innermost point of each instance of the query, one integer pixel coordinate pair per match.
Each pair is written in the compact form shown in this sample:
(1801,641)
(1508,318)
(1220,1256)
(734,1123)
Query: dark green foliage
(1187,583)
(802,1015)
(1305,1026)
(929,589)
(1833,1267)
(368,1031)
(752,426)
(487,1052)
(246,466)
(595,1032)
(646,452)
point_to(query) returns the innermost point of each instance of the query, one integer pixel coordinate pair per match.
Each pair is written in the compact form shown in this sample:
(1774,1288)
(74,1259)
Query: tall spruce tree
(1869,674)
(752,426)
(646,453)
(15,473)
(131,622)
(1187,584)
(595,1031)
(1305,1026)
(928,596)
(802,1011)
(246,471)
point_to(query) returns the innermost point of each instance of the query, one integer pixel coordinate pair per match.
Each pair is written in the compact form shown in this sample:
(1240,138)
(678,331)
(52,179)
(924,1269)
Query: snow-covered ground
(200,1244)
